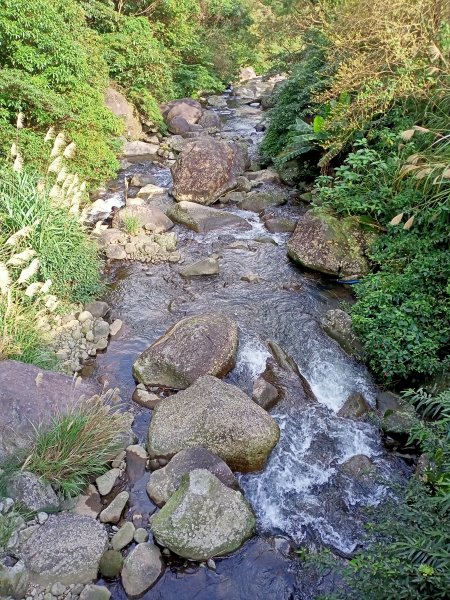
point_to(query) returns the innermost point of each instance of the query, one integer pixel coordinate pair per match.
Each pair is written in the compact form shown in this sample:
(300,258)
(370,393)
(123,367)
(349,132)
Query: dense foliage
(366,111)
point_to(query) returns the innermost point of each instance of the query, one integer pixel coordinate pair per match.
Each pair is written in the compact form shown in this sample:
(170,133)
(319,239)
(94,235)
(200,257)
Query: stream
(304,496)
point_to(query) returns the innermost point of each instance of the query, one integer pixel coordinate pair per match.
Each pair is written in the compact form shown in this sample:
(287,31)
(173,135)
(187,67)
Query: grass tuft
(131,224)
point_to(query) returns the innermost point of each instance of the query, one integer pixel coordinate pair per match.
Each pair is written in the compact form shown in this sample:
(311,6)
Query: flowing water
(304,494)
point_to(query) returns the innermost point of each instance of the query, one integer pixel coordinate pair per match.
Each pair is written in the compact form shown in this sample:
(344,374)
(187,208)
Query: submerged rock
(323,243)
(207,168)
(195,346)
(141,569)
(66,549)
(265,394)
(216,416)
(203,219)
(164,482)
(208,266)
(204,518)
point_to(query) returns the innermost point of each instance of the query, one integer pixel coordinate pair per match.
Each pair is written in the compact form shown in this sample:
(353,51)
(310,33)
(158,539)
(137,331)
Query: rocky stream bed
(301,454)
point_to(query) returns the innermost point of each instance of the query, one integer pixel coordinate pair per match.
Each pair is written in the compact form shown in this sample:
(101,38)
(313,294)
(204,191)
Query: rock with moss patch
(332,246)
(338,325)
(258,201)
(204,518)
(164,482)
(111,564)
(13,580)
(204,218)
(216,416)
(195,346)
(32,492)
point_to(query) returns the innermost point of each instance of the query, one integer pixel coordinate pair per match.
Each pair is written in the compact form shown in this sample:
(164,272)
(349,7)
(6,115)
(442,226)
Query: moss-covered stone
(204,518)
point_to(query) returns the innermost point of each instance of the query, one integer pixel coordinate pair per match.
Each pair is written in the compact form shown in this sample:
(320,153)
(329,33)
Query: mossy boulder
(324,243)
(203,518)
(200,345)
(216,416)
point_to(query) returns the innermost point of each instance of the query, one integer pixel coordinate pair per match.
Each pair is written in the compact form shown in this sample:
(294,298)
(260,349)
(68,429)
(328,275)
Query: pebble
(113,512)
(106,482)
(58,589)
(140,535)
(85,316)
(117,463)
(211,564)
(41,518)
(115,327)
(8,503)
(123,537)
(95,592)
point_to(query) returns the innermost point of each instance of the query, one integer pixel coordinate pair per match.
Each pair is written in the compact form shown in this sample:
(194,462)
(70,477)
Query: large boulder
(168,106)
(164,482)
(216,416)
(323,243)
(119,106)
(181,117)
(207,168)
(66,549)
(195,346)
(247,73)
(204,518)
(204,218)
(30,396)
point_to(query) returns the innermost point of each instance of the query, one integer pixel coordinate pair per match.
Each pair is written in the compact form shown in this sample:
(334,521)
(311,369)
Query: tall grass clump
(77,445)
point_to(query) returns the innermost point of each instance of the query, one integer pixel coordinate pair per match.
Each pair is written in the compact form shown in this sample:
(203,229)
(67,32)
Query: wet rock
(207,168)
(119,106)
(31,396)
(139,149)
(150,191)
(141,569)
(113,512)
(280,225)
(399,417)
(251,278)
(259,201)
(203,219)
(116,252)
(210,120)
(164,482)
(208,266)
(32,492)
(323,243)
(263,176)
(97,309)
(107,481)
(265,394)
(140,180)
(148,218)
(115,327)
(217,102)
(338,325)
(358,466)
(89,504)
(13,580)
(136,460)
(95,592)
(204,518)
(182,111)
(66,549)
(111,564)
(216,416)
(145,399)
(195,346)
(123,537)
(354,407)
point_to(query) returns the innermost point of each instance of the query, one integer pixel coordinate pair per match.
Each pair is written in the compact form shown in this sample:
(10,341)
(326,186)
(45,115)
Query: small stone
(95,592)
(136,461)
(102,344)
(97,308)
(264,394)
(84,316)
(116,252)
(113,512)
(115,327)
(111,564)
(123,537)
(58,589)
(8,503)
(141,569)
(41,518)
(118,461)
(251,278)
(49,596)
(89,336)
(89,504)
(145,399)
(140,535)
(77,589)
(211,564)
(106,482)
